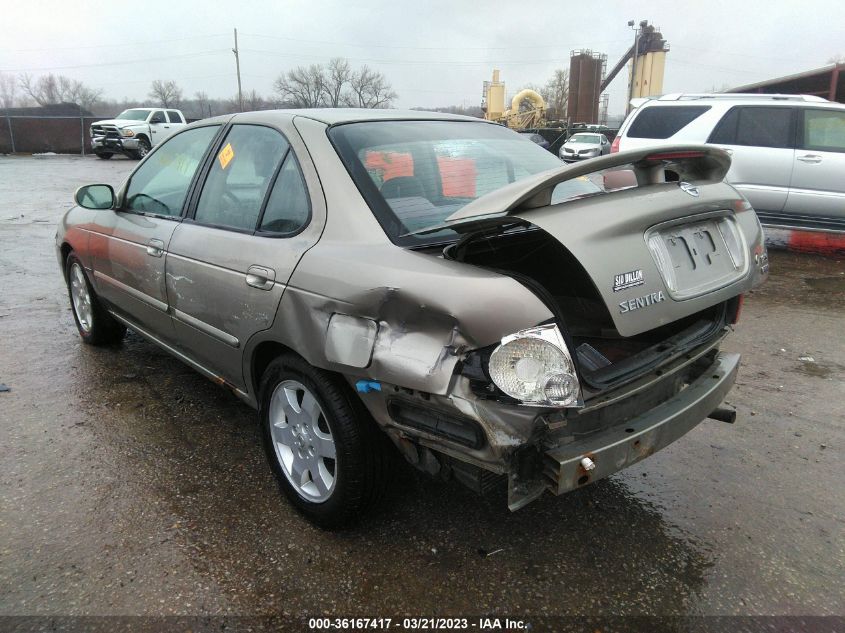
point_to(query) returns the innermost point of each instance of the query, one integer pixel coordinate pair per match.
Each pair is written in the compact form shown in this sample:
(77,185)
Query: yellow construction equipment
(528,110)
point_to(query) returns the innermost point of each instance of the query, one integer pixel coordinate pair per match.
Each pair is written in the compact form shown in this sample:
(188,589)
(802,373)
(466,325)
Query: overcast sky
(434,53)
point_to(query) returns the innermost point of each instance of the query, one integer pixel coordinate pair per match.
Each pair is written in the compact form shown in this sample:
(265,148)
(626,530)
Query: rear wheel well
(262,357)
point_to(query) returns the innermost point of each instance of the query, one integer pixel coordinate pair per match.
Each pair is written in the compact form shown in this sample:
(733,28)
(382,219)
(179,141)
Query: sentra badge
(624,281)
(641,302)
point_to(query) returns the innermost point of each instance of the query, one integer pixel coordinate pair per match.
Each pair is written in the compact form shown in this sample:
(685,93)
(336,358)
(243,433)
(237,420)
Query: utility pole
(238,67)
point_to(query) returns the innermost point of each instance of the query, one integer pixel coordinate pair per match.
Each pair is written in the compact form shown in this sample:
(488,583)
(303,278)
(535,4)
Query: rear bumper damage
(605,452)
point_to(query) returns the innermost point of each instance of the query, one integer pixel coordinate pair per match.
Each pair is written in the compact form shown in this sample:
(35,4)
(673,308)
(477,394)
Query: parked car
(536,138)
(134,132)
(787,151)
(359,275)
(584,145)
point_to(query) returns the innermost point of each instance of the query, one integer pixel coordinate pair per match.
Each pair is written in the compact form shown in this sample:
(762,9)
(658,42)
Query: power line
(733,54)
(123,45)
(118,63)
(676,60)
(411,62)
(418,48)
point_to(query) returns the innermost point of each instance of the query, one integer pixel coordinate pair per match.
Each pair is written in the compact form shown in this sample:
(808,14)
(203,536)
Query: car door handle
(260,277)
(155,248)
(810,158)
(167,126)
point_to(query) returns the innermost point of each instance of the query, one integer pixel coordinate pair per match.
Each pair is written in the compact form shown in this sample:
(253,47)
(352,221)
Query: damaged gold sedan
(374,280)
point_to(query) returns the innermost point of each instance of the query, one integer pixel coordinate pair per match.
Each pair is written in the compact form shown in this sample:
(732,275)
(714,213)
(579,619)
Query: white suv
(788,151)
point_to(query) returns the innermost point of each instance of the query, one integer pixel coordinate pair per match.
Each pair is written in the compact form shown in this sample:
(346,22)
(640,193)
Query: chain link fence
(30,134)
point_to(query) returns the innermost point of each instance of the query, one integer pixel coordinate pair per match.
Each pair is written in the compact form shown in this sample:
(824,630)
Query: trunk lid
(655,253)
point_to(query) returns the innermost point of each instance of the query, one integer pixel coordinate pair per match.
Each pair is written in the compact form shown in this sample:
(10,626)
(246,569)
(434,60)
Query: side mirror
(619,179)
(95,197)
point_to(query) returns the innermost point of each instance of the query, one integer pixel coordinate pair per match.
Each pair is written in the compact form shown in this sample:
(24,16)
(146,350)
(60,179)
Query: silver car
(787,151)
(584,145)
(380,282)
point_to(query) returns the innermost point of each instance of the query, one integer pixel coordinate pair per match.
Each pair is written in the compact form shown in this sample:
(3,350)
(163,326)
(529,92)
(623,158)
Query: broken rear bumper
(618,447)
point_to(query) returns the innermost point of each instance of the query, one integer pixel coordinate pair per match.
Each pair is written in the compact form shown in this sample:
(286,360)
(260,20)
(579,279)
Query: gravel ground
(130,485)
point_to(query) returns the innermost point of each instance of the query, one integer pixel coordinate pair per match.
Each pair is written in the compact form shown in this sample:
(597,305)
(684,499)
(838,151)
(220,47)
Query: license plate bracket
(695,257)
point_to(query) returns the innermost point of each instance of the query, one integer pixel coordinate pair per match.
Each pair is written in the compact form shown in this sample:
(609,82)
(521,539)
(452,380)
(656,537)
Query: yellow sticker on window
(226,155)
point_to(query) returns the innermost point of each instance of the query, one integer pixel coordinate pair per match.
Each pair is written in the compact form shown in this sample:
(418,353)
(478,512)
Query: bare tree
(337,76)
(166,93)
(369,89)
(203,103)
(556,94)
(254,101)
(334,85)
(52,88)
(839,58)
(302,87)
(8,90)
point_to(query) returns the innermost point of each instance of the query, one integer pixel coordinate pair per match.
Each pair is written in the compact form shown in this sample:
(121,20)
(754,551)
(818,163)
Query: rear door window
(288,208)
(240,177)
(755,126)
(664,121)
(174,116)
(823,130)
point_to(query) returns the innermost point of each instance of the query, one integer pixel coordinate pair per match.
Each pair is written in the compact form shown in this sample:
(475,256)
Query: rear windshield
(415,174)
(664,121)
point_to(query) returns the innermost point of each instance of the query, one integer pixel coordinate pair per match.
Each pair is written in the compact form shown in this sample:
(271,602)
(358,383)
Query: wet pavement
(131,485)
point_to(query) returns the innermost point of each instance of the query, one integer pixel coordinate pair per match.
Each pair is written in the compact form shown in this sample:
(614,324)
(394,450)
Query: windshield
(593,139)
(134,115)
(415,174)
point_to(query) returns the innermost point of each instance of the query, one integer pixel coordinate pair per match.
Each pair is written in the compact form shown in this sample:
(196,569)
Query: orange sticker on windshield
(226,155)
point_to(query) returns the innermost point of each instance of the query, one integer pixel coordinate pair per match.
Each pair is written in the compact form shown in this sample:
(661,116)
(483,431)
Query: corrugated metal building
(827,82)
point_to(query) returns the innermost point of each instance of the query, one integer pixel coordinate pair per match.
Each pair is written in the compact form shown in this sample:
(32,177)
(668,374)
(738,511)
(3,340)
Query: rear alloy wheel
(303,441)
(329,457)
(96,326)
(104,155)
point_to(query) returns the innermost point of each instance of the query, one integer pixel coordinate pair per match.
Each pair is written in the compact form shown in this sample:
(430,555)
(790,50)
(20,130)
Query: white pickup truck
(134,131)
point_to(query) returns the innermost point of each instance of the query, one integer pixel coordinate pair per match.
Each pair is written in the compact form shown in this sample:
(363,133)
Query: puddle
(818,370)
(827,284)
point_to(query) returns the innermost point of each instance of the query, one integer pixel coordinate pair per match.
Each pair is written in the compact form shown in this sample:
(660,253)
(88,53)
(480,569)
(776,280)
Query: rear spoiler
(692,163)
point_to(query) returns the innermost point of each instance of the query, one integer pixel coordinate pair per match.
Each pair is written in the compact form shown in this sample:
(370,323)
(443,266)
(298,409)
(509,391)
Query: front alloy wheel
(80,298)
(96,326)
(143,148)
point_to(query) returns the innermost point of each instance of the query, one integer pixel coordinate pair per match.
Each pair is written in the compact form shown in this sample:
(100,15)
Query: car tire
(143,149)
(330,492)
(96,326)
(104,155)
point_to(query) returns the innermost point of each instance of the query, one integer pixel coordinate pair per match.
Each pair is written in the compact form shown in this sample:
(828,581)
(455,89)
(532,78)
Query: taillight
(614,146)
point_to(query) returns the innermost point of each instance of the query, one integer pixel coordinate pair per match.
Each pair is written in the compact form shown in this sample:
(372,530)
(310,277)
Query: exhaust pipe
(723,414)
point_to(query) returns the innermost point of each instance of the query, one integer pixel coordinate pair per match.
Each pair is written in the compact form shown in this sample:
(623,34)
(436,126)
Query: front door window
(161,184)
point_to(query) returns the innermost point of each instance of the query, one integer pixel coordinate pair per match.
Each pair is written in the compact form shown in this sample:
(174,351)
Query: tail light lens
(614,146)
(534,366)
